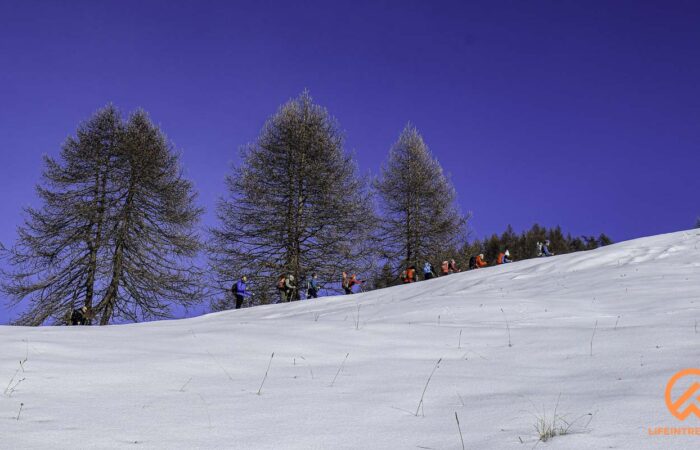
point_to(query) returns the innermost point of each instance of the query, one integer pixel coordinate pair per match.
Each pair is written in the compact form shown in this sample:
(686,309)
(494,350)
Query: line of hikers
(410,275)
(289,291)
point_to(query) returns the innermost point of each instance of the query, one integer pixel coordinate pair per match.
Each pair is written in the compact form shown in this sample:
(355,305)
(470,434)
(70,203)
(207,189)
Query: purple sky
(583,114)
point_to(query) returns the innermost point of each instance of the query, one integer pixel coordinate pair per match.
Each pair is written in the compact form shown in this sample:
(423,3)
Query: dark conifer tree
(604,240)
(419,216)
(96,222)
(153,241)
(60,247)
(295,205)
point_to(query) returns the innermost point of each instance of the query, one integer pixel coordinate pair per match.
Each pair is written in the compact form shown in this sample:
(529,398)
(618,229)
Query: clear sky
(582,114)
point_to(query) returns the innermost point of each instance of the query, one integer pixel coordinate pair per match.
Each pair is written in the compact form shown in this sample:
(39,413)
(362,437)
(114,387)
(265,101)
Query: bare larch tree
(295,205)
(417,204)
(116,224)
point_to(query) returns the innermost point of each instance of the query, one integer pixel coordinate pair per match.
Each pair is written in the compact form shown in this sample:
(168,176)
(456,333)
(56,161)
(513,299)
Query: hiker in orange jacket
(480,261)
(504,257)
(409,275)
(444,268)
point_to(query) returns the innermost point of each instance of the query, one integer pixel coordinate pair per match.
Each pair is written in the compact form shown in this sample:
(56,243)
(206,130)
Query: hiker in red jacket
(349,282)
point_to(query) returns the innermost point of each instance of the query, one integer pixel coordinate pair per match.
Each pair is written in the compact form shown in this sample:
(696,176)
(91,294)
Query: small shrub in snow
(548,426)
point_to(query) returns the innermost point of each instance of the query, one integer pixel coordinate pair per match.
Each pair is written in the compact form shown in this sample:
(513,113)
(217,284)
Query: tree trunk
(94,245)
(110,298)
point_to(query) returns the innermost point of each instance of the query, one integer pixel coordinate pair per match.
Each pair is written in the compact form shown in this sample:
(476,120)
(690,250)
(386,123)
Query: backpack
(500,258)
(280,283)
(539,248)
(234,288)
(472,262)
(427,268)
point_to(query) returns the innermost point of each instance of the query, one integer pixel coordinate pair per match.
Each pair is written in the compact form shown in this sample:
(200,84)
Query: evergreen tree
(55,259)
(575,244)
(604,240)
(76,247)
(295,205)
(153,241)
(558,243)
(417,201)
(384,277)
(591,242)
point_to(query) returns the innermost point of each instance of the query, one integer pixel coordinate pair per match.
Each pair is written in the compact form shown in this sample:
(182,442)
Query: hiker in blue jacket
(428,271)
(238,290)
(312,287)
(545,249)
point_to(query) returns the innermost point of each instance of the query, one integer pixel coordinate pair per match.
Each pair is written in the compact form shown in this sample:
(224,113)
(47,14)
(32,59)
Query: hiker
(349,282)
(409,275)
(452,267)
(80,316)
(312,287)
(479,262)
(504,258)
(444,268)
(289,288)
(428,271)
(238,291)
(281,281)
(545,249)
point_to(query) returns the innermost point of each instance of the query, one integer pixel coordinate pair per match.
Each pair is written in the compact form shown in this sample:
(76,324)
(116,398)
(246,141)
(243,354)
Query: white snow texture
(596,335)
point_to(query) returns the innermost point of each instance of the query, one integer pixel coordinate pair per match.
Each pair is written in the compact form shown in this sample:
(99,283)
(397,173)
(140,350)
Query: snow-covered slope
(337,381)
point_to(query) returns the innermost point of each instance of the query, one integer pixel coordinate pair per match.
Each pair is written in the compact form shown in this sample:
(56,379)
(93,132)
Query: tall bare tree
(295,205)
(153,241)
(116,223)
(417,204)
(55,261)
